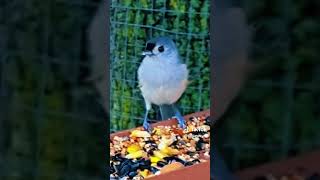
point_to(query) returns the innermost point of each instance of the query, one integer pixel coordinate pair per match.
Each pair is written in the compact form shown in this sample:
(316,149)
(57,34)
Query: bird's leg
(146,124)
(181,121)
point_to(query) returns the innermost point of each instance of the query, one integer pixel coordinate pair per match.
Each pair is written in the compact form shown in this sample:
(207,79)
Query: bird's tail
(166,111)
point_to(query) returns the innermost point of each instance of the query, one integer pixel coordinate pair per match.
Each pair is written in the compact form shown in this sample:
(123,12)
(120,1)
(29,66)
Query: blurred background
(51,119)
(135,22)
(276,113)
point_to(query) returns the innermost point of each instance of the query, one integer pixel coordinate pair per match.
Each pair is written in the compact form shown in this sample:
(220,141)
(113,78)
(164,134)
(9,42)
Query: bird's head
(163,48)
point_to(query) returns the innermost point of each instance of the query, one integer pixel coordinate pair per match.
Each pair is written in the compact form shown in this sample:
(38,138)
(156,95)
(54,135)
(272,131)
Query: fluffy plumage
(162,76)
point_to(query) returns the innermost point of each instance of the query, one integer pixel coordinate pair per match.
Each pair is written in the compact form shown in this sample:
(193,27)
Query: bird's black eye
(161,49)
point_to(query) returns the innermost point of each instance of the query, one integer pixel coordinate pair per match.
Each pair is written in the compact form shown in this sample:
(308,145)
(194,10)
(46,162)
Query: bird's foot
(146,125)
(181,121)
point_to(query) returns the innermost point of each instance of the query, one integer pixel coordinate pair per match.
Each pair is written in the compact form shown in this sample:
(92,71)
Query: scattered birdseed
(166,148)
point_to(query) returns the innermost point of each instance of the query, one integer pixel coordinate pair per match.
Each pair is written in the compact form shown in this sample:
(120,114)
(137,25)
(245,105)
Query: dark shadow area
(274,112)
(52,121)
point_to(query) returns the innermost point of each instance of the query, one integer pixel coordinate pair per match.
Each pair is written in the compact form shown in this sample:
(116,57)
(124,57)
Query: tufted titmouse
(162,77)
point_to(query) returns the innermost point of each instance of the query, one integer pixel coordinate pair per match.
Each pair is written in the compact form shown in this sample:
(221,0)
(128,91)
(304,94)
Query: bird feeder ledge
(195,171)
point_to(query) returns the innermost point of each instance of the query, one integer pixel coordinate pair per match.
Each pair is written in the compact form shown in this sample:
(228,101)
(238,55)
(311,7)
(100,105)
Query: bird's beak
(148,53)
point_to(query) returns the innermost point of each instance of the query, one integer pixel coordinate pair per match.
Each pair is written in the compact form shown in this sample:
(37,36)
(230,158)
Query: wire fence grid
(132,24)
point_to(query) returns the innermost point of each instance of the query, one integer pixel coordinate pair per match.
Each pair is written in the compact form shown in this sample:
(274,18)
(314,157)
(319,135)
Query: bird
(162,78)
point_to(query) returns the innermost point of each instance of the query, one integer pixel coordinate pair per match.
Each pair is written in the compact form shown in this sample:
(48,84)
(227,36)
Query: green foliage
(188,24)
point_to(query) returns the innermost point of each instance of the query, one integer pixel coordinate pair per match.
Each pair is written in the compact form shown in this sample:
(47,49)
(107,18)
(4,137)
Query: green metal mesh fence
(132,24)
